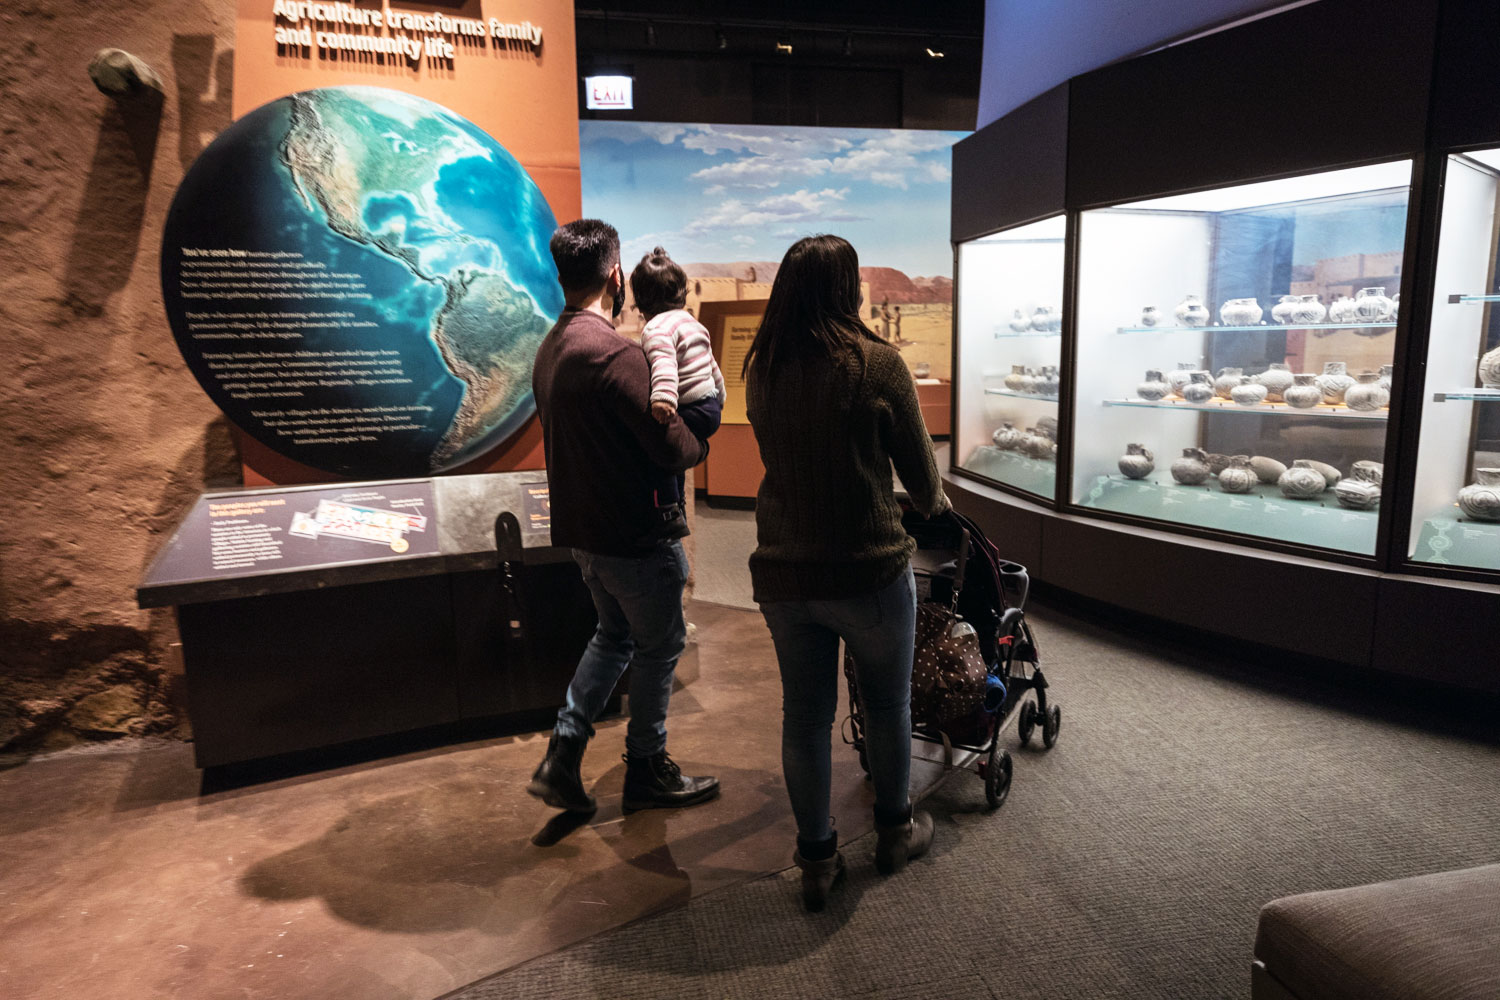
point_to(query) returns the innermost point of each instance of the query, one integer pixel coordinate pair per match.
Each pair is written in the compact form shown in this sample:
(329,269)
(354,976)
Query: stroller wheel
(1026,722)
(997,776)
(1051,726)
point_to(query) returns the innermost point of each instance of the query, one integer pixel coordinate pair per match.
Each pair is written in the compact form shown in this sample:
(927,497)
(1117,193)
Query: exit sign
(608,93)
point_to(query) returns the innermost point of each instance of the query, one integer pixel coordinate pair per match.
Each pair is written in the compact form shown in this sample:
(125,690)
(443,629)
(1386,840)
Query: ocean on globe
(360,278)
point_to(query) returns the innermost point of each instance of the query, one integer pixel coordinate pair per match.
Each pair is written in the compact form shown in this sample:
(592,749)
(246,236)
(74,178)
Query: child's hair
(658,284)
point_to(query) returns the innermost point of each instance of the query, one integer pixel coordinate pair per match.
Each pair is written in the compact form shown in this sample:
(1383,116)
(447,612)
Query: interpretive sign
(538,501)
(359,278)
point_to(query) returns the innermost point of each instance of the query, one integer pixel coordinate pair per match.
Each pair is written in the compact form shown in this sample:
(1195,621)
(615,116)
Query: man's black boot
(656,782)
(557,780)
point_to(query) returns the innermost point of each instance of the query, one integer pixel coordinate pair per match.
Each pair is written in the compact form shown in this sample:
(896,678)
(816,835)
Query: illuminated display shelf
(1456,299)
(1471,395)
(1004,332)
(1263,409)
(1020,395)
(1260,328)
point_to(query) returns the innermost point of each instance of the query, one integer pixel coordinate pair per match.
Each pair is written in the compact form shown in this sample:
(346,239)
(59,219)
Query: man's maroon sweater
(604,448)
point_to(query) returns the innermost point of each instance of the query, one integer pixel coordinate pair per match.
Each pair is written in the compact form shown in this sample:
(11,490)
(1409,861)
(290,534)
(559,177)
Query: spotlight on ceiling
(784,45)
(651,34)
(934,53)
(848,43)
(720,42)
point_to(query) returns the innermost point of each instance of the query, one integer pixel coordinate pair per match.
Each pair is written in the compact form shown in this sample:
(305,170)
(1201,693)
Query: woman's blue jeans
(878,631)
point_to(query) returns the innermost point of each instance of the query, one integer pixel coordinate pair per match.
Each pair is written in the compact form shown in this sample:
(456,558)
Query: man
(604,449)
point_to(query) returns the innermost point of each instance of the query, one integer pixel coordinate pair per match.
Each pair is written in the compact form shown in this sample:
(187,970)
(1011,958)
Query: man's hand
(662,411)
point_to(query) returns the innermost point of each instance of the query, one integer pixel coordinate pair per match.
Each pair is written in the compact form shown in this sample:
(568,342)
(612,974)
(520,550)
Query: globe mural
(359,278)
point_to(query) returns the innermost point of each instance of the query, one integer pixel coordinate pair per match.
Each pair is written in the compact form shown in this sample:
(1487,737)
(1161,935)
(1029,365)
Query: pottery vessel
(1199,389)
(1240,312)
(1282,311)
(1267,469)
(1039,445)
(1047,427)
(1299,483)
(1192,468)
(1304,393)
(1342,310)
(1227,380)
(1395,307)
(1054,321)
(1216,463)
(1137,462)
(1334,381)
(1006,437)
(921,369)
(1489,370)
(1191,312)
(1155,387)
(1019,381)
(1248,393)
(1481,500)
(1047,381)
(1041,320)
(1277,379)
(1020,322)
(1309,310)
(1368,472)
(1356,494)
(1150,316)
(1181,377)
(1367,394)
(1238,477)
(1372,306)
(1385,376)
(1331,476)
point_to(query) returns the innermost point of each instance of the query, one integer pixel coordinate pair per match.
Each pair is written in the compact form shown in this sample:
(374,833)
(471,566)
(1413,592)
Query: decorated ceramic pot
(1356,494)
(1150,316)
(1304,393)
(1216,463)
(1240,312)
(1047,381)
(1308,311)
(1395,307)
(1282,311)
(1372,306)
(1342,311)
(1137,462)
(1191,312)
(1227,380)
(1238,477)
(1489,370)
(1181,377)
(1331,476)
(1192,468)
(1006,437)
(1268,470)
(1047,427)
(921,369)
(1277,379)
(1155,387)
(1020,322)
(1039,445)
(1367,394)
(1041,320)
(1334,381)
(1248,393)
(1385,376)
(1199,390)
(1481,500)
(1019,381)
(1368,472)
(1301,483)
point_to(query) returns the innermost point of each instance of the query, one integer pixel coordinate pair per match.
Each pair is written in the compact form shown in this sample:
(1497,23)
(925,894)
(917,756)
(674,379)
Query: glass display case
(1456,488)
(1234,356)
(1009,349)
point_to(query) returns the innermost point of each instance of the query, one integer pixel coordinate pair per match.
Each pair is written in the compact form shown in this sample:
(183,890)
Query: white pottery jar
(1150,316)
(1016,379)
(1331,476)
(1371,305)
(1395,307)
(1385,376)
(1368,472)
(1137,462)
(1192,468)
(1240,312)
(1227,380)
(1181,377)
(1356,494)
(1248,393)
(1282,311)
(1309,311)
(1006,437)
(1489,370)
(1041,320)
(1277,379)
(1199,389)
(1366,394)
(1481,500)
(1191,312)
(1300,483)
(1334,381)
(1238,477)
(1054,320)
(1048,382)
(1268,470)
(1342,311)
(1155,387)
(1217,463)
(1047,427)
(921,369)
(1304,393)
(1020,322)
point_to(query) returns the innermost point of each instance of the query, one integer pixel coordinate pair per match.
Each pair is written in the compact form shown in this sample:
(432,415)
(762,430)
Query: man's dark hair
(658,284)
(585,251)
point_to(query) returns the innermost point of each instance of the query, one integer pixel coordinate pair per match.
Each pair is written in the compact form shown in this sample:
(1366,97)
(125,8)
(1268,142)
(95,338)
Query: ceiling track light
(784,46)
(720,42)
(651,34)
(935,49)
(848,43)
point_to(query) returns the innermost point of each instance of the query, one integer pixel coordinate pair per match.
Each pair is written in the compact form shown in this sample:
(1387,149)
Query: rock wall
(104,435)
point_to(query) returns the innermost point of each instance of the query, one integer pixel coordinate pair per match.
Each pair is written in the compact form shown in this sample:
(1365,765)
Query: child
(685,379)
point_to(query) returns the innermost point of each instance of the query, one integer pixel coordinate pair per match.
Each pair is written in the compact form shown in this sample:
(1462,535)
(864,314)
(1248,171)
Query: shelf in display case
(1033,475)
(1019,395)
(1004,332)
(1454,300)
(1261,328)
(1264,409)
(1468,395)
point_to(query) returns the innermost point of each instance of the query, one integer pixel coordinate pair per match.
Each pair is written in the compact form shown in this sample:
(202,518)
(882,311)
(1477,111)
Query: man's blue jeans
(879,631)
(639,602)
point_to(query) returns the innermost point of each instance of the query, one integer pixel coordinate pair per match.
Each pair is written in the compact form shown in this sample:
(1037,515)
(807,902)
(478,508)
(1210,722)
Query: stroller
(956,565)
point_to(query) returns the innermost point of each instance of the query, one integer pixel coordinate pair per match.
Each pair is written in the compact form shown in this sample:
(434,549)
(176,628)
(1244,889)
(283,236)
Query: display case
(1235,352)
(1009,356)
(1456,487)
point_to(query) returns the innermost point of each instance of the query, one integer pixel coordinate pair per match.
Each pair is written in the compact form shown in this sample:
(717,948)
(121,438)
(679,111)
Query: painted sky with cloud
(714,193)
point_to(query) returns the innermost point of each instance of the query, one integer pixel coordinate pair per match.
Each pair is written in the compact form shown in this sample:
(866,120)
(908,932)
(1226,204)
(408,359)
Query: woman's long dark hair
(814,306)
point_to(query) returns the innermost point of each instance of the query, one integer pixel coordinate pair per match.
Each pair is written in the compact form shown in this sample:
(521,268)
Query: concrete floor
(403,878)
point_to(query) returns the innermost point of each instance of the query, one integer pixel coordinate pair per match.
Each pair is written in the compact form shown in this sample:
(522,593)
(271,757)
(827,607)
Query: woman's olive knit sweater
(829,429)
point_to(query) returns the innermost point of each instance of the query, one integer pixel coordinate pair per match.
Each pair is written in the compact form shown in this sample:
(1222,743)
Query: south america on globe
(359,279)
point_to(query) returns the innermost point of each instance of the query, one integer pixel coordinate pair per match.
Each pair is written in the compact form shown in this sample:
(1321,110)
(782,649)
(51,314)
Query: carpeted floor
(1130,861)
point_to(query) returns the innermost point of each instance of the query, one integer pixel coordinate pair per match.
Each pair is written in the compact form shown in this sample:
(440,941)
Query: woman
(833,408)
